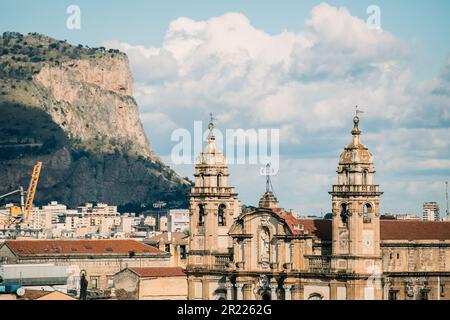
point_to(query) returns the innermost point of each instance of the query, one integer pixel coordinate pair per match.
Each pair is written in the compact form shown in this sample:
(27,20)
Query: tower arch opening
(201,215)
(367,213)
(221,215)
(344,213)
(219,180)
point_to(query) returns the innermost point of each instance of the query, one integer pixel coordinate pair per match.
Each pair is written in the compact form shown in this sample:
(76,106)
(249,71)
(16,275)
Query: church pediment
(248,224)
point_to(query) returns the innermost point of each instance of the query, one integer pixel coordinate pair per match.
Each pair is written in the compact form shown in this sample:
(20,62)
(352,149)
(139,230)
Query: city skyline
(305,64)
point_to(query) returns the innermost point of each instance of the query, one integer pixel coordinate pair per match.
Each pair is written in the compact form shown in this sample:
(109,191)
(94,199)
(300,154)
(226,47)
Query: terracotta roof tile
(389,229)
(34,294)
(414,230)
(319,228)
(159,272)
(176,237)
(77,247)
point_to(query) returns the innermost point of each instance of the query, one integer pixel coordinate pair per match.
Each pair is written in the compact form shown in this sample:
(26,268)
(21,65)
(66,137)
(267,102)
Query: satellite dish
(20,292)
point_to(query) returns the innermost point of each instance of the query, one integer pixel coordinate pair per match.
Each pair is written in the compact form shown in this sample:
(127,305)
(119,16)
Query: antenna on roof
(447,213)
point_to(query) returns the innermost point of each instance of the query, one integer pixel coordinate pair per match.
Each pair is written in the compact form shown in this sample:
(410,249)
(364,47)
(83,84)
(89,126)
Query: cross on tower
(268,177)
(358,111)
(211,122)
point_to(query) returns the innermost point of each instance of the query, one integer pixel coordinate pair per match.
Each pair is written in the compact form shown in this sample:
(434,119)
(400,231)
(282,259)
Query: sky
(298,66)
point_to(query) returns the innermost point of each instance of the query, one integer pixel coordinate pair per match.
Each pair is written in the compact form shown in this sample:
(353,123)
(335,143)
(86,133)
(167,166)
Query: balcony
(356,189)
(222,261)
(212,190)
(318,263)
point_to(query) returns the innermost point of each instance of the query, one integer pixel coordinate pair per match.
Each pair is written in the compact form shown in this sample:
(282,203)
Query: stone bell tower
(356,210)
(213,206)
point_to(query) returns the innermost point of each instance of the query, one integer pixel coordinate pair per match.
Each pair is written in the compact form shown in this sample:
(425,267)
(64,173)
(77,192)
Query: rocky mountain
(72,108)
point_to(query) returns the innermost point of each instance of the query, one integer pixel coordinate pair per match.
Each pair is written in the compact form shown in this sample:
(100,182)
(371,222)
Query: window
(367,213)
(183,252)
(390,256)
(219,180)
(167,247)
(201,215)
(347,177)
(344,213)
(393,294)
(288,252)
(94,282)
(315,296)
(202,180)
(110,283)
(364,177)
(221,215)
(423,294)
(442,290)
(398,256)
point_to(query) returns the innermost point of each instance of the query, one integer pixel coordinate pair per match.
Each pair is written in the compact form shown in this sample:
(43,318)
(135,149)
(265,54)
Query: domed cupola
(211,155)
(356,152)
(356,162)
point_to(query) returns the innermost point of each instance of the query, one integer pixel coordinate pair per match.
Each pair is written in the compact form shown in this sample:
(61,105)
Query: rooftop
(389,229)
(79,247)
(158,272)
(175,237)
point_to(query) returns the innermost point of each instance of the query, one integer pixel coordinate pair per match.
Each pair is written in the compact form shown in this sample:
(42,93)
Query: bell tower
(356,210)
(213,206)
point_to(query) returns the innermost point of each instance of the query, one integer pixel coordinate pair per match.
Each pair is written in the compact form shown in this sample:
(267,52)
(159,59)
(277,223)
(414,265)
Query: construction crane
(22,214)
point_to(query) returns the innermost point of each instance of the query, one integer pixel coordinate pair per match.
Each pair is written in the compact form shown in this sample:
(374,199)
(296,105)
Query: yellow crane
(22,213)
(32,189)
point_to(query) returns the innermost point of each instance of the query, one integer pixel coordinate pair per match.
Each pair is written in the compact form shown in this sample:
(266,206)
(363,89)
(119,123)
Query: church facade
(266,253)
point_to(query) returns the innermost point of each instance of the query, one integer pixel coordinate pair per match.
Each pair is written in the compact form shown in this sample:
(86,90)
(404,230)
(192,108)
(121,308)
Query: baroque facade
(267,253)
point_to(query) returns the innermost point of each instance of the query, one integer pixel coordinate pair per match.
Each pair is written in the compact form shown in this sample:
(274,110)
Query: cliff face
(72,108)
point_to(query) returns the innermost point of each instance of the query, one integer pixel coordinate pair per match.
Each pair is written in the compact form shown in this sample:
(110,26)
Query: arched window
(347,177)
(219,180)
(367,213)
(364,177)
(201,215)
(221,215)
(344,213)
(202,179)
(315,296)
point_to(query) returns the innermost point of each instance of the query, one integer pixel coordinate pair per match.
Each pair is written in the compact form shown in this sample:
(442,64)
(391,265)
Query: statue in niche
(265,246)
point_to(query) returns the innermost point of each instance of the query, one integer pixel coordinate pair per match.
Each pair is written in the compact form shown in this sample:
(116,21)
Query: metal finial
(211,122)
(356,130)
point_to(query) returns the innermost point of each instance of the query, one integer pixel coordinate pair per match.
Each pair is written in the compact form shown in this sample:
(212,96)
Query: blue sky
(303,74)
(423,23)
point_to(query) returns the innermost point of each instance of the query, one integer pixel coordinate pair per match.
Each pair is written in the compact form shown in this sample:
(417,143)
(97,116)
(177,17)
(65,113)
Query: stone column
(229,287)
(191,289)
(239,294)
(287,291)
(273,291)
(253,291)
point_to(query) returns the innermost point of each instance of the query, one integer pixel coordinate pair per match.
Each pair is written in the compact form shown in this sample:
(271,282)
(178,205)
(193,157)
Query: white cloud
(304,83)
